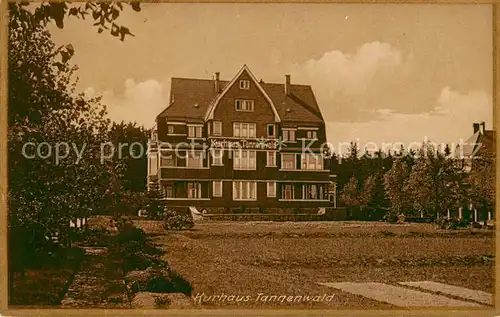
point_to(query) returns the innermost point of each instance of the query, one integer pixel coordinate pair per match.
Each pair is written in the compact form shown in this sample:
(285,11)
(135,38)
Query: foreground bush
(452,224)
(147,272)
(175,221)
(158,280)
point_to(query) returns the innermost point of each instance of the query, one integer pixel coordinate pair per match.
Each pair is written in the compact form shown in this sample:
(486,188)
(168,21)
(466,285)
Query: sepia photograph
(249,156)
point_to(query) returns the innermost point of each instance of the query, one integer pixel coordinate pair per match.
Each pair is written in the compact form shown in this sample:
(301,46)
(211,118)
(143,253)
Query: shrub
(390,217)
(95,237)
(158,280)
(141,261)
(129,241)
(128,232)
(176,221)
(452,224)
(99,222)
(161,302)
(154,210)
(476,225)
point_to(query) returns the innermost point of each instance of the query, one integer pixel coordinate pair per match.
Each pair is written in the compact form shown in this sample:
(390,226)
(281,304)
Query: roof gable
(210,112)
(195,99)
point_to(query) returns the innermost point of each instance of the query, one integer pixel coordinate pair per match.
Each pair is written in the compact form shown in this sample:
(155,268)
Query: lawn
(270,258)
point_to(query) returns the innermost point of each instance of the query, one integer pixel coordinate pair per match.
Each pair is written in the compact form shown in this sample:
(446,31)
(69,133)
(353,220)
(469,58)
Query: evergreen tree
(351,195)
(394,182)
(132,142)
(434,182)
(482,183)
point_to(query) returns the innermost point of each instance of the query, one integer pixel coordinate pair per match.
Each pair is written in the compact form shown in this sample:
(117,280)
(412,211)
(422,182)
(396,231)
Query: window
(288,135)
(309,192)
(169,191)
(244,105)
(271,158)
(244,84)
(244,160)
(271,189)
(167,159)
(270,131)
(194,159)
(217,156)
(312,162)
(170,129)
(287,191)
(312,135)
(244,190)
(313,191)
(288,161)
(194,131)
(244,130)
(217,130)
(217,189)
(194,190)
(251,130)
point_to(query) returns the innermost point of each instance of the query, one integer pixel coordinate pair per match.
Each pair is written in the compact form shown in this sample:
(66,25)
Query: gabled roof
(194,99)
(215,103)
(477,143)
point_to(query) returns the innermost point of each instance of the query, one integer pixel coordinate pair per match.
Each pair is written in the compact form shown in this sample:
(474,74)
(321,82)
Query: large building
(240,144)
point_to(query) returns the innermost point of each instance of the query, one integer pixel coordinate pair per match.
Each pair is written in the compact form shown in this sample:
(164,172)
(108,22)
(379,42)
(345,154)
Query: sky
(380,73)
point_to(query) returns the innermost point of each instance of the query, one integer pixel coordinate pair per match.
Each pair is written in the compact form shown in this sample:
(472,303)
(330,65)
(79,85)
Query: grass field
(268,258)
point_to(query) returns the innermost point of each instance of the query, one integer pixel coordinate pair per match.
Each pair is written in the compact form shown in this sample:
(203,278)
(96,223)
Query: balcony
(184,173)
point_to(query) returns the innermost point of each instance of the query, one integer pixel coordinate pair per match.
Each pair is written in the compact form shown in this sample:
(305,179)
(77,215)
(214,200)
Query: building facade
(481,144)
(240,144)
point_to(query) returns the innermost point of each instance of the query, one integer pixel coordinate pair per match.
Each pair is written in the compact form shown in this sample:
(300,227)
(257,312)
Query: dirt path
(98,283)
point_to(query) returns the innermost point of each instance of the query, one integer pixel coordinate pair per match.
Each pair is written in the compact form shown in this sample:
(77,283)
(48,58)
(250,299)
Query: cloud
(350,74)
(343,82)
(138,102)
(450,120)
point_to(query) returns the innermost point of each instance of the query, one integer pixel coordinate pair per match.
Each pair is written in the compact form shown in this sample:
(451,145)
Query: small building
(480,144)
(241,143)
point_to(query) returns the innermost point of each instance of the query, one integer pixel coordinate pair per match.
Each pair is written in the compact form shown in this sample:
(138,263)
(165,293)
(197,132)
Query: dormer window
(271,130)
(217,130)
(312,135)
(289,135)
(194,131)
(244,105)
(244,84)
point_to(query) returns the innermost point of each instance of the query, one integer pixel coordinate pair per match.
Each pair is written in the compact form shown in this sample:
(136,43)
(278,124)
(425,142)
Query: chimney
(217,82)
(287,85)
(476,127)
(483,127)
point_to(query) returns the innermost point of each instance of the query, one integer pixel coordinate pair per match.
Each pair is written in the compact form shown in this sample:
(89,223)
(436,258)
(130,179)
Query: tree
(434,182)
(349,165)
(374,196)
(104,14)
(47,189)
(350,195)
(394,182)
(131,141)
(368,192)
(482,183)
